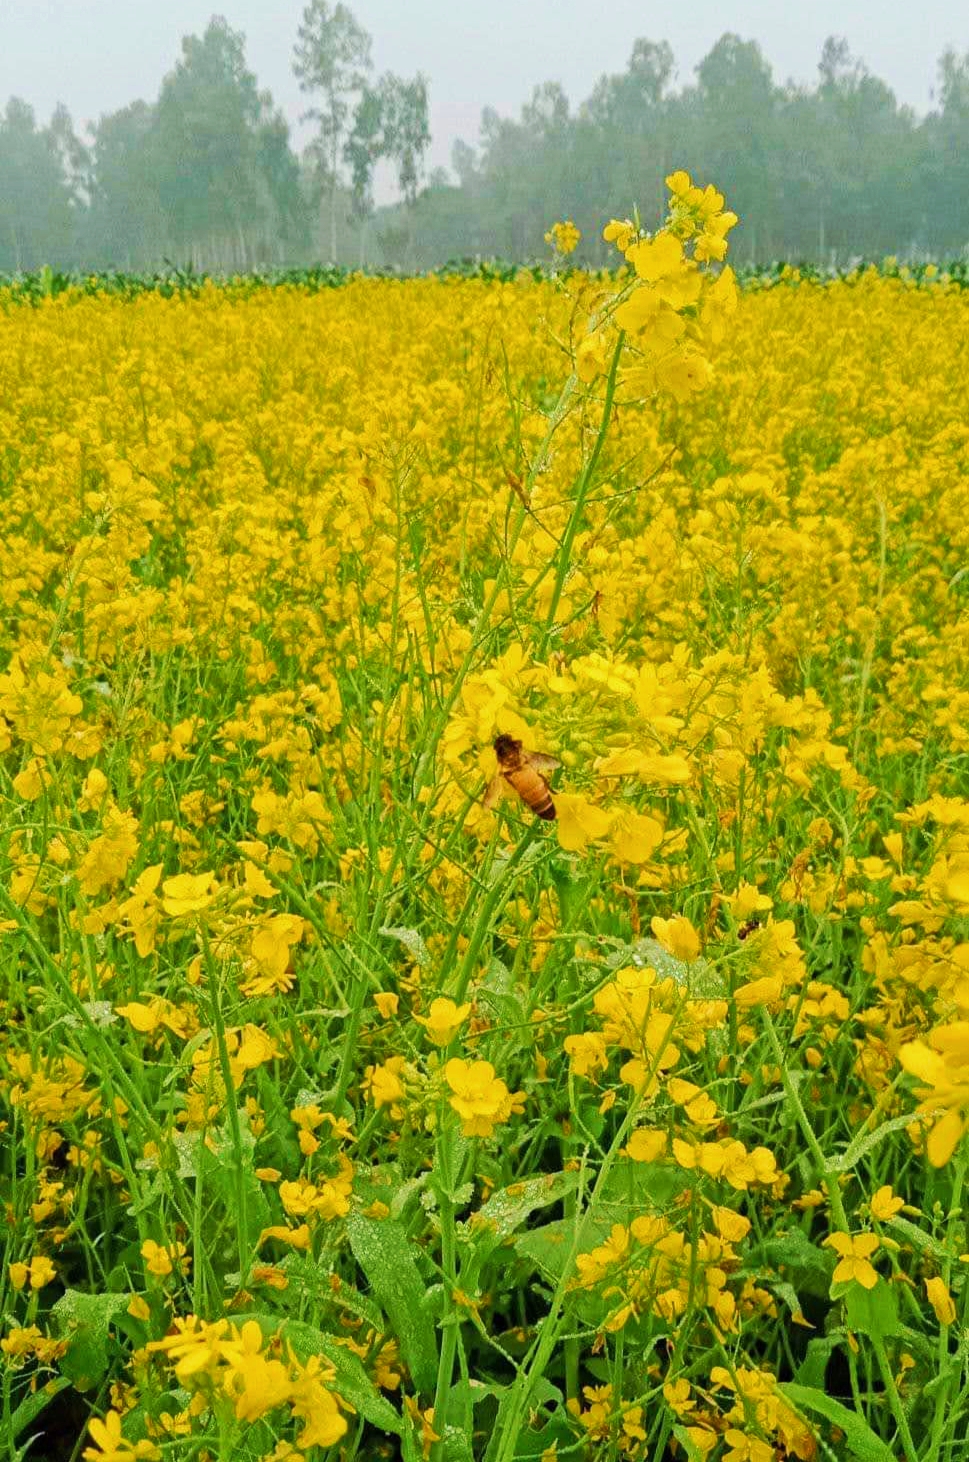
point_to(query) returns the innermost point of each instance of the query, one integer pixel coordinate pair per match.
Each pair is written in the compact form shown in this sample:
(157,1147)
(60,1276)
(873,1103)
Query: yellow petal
(943,1139)
(635,837)
(579,822)
(654,258)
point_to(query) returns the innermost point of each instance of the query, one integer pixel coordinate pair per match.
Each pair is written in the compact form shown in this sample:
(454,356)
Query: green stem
(449,1339)
(944,1410)
(894,1400)
(830,1181)
(828,1178)
(509,1426)
(232,1115)
(481,629)
(563,558)
(350,1052)
(489,904)
(869,659)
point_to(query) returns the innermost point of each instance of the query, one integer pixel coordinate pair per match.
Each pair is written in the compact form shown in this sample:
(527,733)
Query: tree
(729,122)
(219,152)
(364,148)
(75,157)
(524,168)
(464,161)
(629,102)
(390,122)
(622,131)
(406,139)
(862,143)
(279,172)
(830,171)
(945,181)
(126,223)
(201,145)
(331,60)
(407,134)
(38,194)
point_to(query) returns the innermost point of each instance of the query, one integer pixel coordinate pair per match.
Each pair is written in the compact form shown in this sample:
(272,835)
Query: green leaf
(693,1453)
(457,1445)
(385,1183)
(472,1392)
(921,1242)
(699,977)
(633,1187)
(224,1175)
(807,1266)
(31,1407)
(557,1431)
(548,1247)
(411,941)
(788,1294)
(455,1149)
(313,1280)
(864,1144)
(151,1197)
(812,1368)
(860,1440)
(872,1312)
(508,1208)
(384,1253)
(404,1193)
(497,994)
(84,1320)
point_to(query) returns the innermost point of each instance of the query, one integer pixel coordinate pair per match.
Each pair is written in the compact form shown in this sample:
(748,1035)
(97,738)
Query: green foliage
(206,174)
(860,1440)
(85,1321)
(33,287)
(382,1250)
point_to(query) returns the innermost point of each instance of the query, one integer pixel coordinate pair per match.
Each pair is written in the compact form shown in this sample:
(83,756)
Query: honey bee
(524,772)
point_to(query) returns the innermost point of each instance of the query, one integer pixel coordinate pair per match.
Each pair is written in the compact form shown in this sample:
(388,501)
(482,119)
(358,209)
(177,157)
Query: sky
(98,55)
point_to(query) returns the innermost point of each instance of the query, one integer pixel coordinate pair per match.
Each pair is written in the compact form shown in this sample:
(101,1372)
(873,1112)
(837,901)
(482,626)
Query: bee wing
(493,791)
(543,763)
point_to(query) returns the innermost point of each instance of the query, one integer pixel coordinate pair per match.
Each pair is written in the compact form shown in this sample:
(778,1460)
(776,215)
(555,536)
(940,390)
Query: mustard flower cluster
(349,1107)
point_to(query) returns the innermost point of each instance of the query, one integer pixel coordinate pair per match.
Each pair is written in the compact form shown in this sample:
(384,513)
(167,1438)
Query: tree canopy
(206,174)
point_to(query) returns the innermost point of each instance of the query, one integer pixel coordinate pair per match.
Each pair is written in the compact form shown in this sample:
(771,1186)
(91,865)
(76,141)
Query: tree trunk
(333,187)
(409,214)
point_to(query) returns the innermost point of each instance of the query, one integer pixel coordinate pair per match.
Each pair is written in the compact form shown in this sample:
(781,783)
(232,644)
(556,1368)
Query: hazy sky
(97,55)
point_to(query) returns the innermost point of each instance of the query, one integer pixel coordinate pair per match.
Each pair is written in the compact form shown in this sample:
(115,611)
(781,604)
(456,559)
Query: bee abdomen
(533,790)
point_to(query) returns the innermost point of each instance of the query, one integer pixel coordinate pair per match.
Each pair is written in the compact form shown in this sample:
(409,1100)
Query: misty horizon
(210,168)
(53,51)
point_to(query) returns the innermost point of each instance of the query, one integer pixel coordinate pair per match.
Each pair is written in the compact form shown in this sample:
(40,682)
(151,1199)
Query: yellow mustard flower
(855,1252)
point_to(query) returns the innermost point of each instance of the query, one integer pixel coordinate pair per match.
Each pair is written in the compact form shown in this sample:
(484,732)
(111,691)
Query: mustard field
(349,1108)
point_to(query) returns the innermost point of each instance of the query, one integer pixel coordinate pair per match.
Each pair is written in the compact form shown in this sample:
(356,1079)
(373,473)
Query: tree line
(206,175)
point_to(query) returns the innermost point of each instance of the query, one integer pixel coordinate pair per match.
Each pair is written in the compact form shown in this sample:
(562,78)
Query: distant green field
(49,283)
